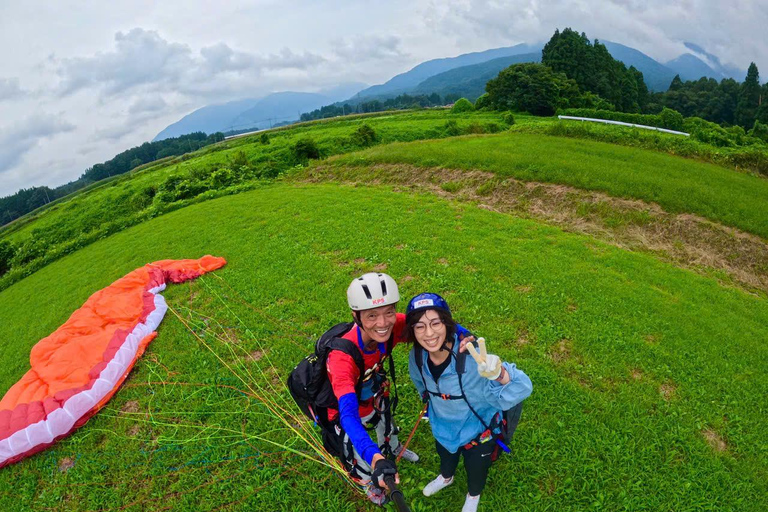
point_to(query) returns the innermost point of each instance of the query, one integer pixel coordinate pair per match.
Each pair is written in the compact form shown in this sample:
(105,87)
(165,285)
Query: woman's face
(429,331)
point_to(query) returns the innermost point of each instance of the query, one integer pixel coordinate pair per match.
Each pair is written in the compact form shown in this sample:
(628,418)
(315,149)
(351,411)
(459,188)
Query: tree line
(28,199)
(403,101)
(577,73)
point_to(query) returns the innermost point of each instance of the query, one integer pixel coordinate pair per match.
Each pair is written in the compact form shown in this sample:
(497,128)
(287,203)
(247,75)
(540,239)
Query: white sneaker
(407,454)
(471,503)
(436,485)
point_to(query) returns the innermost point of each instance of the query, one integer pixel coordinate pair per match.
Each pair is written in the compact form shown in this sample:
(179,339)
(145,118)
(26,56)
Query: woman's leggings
(477,462)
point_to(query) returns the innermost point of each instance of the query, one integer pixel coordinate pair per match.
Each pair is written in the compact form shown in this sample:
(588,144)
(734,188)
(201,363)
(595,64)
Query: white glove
(488,365)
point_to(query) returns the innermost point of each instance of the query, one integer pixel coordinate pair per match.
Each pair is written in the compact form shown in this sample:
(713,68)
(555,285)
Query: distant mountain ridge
(406,82)
(464,75)
(469,81)
(256,113)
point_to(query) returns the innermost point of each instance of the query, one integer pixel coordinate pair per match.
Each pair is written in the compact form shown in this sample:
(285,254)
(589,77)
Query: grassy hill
(648,375)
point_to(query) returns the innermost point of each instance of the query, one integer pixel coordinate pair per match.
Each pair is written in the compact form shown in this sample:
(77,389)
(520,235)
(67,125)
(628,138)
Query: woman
(467,396)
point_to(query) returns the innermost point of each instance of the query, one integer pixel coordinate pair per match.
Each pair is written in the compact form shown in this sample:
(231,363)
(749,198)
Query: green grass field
(649,381)
(676,184)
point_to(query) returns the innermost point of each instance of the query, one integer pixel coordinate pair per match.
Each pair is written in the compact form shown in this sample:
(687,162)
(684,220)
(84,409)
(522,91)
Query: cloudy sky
(83,81)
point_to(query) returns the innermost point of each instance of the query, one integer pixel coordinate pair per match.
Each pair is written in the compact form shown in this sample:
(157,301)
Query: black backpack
(308,382)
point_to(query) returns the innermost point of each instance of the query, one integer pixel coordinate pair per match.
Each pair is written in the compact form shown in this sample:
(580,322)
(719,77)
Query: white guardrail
(608,121)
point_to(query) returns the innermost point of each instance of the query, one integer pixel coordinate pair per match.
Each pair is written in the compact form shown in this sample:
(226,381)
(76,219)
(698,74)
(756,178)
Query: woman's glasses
(435,325)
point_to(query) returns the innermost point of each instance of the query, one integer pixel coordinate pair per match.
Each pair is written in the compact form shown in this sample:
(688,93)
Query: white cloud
(20,138)
(9,89)
(147,104)
(368,47)
(142,60)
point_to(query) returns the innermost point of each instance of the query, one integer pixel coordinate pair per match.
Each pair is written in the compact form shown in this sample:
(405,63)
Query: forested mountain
(406,82)
(690,67)
(715,64)
(657,76)
(469,81)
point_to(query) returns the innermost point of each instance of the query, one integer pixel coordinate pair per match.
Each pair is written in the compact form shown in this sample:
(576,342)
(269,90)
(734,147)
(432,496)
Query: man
(378,328)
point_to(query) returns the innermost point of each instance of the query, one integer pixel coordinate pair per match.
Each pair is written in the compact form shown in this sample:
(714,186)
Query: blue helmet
(424,301)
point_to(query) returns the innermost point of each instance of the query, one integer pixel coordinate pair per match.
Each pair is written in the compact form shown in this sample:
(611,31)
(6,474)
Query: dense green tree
(531,87)
(749,98)
(676,84)
(593,68)
(762,110)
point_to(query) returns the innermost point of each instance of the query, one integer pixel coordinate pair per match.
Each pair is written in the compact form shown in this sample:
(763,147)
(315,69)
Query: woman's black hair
(445,317)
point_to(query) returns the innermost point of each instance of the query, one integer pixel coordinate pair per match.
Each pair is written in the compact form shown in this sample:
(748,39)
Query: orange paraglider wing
(78,368)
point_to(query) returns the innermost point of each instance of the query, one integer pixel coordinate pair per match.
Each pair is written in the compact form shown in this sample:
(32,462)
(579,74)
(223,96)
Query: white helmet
(372,290)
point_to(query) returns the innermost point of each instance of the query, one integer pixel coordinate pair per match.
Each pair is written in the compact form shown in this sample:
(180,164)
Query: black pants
(477,462)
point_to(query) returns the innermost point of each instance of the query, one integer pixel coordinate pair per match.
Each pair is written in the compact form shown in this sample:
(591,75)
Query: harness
(384,405)
(460,360)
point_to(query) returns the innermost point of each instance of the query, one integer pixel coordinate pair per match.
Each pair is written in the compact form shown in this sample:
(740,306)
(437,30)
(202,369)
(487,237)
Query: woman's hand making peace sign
(488,365)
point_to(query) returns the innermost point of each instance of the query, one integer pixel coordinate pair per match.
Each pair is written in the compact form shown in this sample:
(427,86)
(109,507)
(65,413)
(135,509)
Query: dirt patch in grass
(667,391)
(66,464)
(381,267)
(134,430)
(689,241)
(131,406)
(561,352)
(232,335)
(714,440)
(651,339)
(524,338)
(256,355)
(636,374)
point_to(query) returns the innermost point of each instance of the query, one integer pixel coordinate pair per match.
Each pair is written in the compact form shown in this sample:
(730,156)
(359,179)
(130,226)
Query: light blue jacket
(453,423)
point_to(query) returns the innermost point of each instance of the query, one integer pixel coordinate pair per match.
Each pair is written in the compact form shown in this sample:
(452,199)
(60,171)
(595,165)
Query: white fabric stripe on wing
(61,421)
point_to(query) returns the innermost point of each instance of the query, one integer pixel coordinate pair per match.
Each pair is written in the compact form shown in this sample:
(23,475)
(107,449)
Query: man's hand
(383,468)
(488,365)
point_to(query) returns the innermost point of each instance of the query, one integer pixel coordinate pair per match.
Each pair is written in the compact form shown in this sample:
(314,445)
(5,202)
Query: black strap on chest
(460,361)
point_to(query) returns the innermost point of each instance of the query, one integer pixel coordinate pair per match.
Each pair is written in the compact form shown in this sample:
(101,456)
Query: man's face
(378,322)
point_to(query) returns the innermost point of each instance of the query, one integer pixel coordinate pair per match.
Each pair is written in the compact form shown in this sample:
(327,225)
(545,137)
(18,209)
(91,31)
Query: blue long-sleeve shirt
(453,423)
(349,418)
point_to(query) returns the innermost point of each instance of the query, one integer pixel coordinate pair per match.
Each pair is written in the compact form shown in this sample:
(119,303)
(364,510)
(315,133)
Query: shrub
(671,119)
(264,139)
(222,177)
(451,128)
(306,149)
(462,105)
(364,136)
(29,250)
(760,131)
(492,128)
(475,128)
(482,102)
(508,118)
(240,159)
(6,255)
